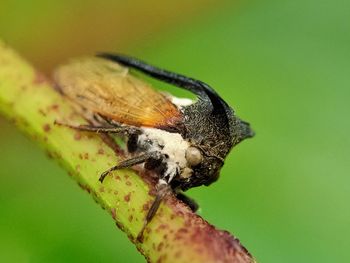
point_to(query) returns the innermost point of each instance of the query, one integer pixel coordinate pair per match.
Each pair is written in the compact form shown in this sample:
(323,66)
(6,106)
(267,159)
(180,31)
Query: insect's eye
(193,156)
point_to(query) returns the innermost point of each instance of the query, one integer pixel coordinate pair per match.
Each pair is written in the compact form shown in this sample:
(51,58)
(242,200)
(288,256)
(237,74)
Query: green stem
(174,235)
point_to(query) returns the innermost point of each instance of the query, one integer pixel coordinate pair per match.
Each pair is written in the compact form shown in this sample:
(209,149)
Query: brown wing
(107,88)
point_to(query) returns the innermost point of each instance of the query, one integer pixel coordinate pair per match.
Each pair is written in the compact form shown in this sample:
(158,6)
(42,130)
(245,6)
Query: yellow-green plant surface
(282,65)
(175,235)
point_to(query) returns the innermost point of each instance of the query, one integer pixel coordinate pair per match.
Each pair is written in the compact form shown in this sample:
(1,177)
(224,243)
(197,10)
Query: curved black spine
(201,89)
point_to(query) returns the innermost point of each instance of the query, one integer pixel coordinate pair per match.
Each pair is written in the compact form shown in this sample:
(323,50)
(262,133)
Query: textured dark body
(209,126)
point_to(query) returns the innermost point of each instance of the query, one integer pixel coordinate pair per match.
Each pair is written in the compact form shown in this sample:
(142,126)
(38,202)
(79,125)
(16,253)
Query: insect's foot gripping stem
(104,174)
(163,189)
(193,205)
(127,163)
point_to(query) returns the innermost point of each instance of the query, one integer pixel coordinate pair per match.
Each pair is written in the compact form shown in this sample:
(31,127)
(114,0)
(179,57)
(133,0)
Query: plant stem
(174,235)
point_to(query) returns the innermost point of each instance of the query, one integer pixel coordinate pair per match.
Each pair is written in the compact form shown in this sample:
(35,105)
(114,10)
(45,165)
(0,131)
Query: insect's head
(213,129)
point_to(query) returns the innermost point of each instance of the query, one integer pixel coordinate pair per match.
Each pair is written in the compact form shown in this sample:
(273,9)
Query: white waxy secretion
(169,144)
(180,102)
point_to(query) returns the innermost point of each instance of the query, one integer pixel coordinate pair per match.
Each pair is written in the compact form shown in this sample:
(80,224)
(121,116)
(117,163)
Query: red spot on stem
(39,78)
(127,197)
(77,136)
(46,127)
(114,213)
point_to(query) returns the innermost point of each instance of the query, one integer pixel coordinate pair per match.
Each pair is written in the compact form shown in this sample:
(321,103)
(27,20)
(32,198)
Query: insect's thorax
(212,133)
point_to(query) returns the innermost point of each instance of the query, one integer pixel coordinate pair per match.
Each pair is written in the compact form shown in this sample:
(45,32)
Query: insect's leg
(163,189)
(188,201)
(97,129)
(129,162)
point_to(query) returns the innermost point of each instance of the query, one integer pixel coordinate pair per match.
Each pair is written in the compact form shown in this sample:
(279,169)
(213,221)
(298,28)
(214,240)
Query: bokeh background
(283,65)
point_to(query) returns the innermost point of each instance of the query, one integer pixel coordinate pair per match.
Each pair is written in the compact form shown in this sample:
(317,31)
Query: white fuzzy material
(180,102)
(170,144)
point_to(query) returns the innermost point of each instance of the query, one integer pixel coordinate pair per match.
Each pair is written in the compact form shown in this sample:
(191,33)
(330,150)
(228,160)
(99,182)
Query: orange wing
(107,88)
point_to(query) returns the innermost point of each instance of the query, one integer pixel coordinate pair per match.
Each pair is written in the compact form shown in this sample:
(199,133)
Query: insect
(184,141)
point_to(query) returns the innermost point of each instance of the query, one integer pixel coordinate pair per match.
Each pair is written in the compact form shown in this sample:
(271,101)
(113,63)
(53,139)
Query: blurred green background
(283,65)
